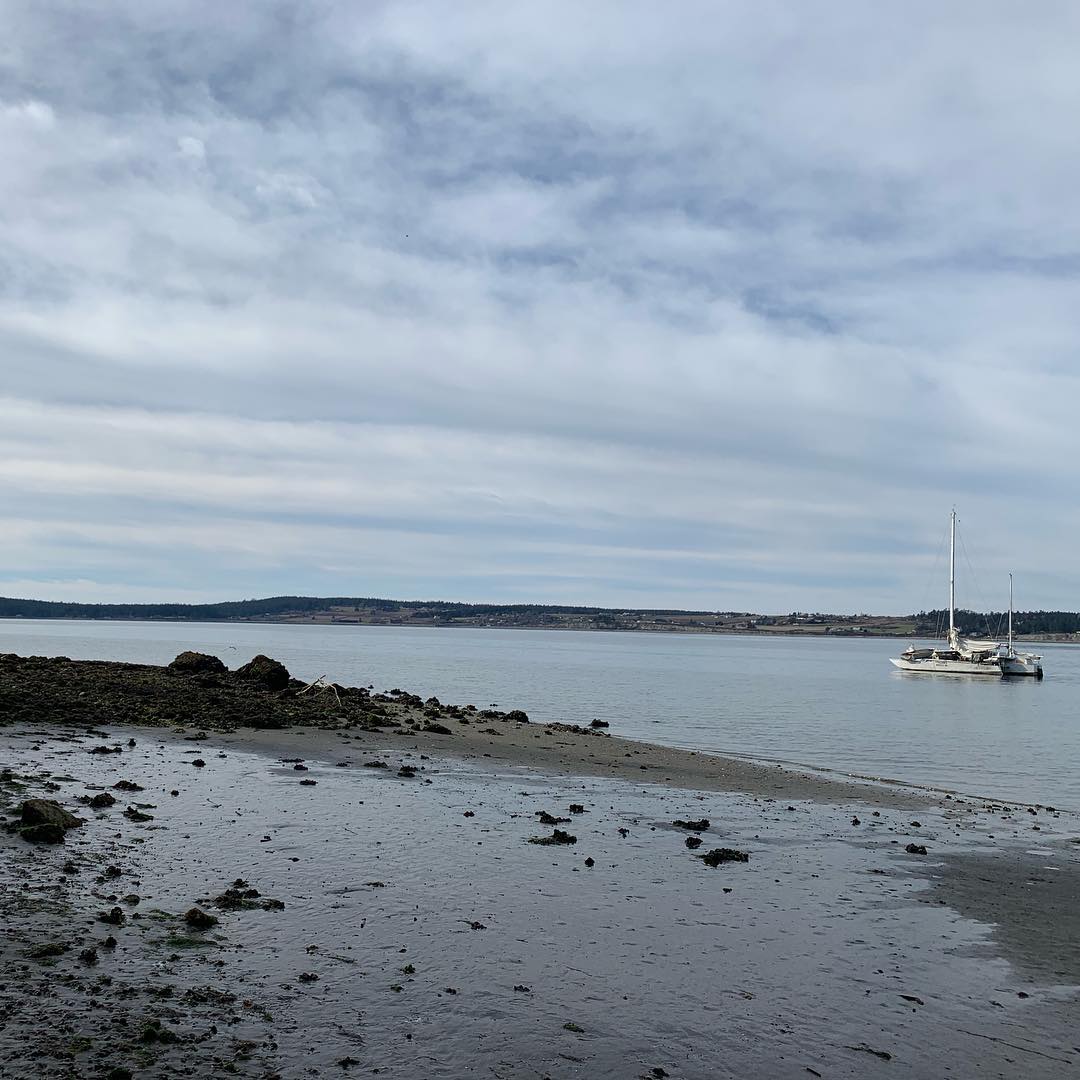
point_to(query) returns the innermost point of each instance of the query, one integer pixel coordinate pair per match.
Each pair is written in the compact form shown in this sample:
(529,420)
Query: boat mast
(1010,615)
(952,578)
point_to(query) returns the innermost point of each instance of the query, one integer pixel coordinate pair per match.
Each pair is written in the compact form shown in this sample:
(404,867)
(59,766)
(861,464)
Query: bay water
(826,704)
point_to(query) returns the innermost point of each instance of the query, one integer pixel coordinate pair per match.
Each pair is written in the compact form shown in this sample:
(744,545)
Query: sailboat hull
(1022,665)
(948,667)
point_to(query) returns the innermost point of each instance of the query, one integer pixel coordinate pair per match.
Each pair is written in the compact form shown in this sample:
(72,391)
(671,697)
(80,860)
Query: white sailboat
(968,656)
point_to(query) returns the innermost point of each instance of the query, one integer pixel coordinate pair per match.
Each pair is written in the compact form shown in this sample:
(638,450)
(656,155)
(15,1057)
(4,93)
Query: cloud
(595,304)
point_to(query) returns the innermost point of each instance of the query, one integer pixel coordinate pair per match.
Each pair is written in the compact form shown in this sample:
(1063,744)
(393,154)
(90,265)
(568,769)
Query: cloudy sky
(718,305)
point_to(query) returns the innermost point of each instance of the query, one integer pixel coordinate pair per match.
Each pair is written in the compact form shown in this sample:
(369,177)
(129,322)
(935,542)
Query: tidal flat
(382,906)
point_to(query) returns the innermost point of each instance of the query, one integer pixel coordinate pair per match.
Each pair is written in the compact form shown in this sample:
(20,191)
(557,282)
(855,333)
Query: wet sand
(407,925)
(555,749)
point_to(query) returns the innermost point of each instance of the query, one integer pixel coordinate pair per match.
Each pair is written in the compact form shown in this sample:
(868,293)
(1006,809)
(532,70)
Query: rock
(127,785)
(722,855)
(376,765)
(47,812)
(89,956)
(916,849)
(308,783)
(693,826)
(557,837)
(119,1073)
(199,919)
(109,942)
(48,951)
(43,834)
(517,716)
(598,724)
(240,896)
(198,763)
(693,842)
(546,819)
(264,673)
(576,808)
(436,729)
(154,1032)
(105,750)
(590,862)
(114,917)
(132,814)
(197,663)
(298,767)
(307,977)
(407,770)
(102,800)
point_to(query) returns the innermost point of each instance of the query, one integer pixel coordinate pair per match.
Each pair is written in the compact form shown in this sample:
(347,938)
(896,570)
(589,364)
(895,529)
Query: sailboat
(969,656)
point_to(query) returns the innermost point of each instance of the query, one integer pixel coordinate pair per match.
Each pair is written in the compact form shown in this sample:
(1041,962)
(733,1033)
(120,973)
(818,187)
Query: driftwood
(320,686)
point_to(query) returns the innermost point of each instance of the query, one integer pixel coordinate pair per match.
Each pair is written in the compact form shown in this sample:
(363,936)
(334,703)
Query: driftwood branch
(320,686)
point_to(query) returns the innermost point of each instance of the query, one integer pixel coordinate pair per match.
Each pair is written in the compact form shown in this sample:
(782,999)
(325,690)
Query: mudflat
(251,876)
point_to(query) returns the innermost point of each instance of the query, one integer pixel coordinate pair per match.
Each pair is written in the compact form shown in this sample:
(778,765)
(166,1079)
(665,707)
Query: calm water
(827,704)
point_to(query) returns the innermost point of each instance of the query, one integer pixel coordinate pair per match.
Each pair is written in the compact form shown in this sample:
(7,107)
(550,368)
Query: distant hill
(381,612)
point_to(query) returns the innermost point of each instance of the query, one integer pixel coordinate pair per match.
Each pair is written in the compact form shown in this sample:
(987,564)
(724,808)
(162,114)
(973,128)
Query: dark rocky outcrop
(197,663)
(264,673)
(192,693)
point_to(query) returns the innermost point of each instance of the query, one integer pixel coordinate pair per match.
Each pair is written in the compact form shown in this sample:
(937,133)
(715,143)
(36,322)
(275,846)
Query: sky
(717,305)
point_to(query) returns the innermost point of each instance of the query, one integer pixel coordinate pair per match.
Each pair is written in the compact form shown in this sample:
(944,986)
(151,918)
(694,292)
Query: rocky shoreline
(198,689)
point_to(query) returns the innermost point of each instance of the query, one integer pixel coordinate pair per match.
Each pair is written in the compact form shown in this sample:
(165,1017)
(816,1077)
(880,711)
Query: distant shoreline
(859,634)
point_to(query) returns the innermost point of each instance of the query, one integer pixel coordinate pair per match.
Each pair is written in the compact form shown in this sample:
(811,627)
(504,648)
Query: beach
(371,883)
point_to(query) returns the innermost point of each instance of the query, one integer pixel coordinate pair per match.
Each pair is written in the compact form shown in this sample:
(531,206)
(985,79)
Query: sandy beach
(373,889)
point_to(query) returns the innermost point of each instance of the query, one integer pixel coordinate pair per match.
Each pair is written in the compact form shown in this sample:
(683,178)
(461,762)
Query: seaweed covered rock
(264,673)
(199,919)
(723,855)
(197,663)
(42,821)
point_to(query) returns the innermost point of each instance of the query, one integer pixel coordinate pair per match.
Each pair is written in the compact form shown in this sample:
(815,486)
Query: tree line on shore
(277,605)
(994,623)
